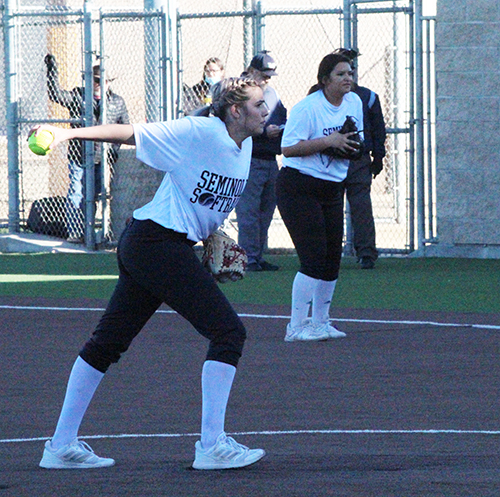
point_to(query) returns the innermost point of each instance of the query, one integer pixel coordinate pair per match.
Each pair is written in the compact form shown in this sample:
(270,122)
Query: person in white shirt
(309,192)
(206,163)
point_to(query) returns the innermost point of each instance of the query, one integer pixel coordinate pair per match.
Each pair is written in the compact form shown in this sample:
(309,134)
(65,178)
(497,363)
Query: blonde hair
(228,92)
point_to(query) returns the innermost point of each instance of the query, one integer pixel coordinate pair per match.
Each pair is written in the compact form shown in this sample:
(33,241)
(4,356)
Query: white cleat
(225,454)
(75,455)
(306,332)
(331,330)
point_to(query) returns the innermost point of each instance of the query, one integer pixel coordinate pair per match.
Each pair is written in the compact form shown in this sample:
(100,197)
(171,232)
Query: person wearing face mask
(199,95)
(116,113)
(258,202)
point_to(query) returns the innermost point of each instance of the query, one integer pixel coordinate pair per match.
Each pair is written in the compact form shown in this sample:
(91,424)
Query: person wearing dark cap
(258,202)
(357,184)
(116,113)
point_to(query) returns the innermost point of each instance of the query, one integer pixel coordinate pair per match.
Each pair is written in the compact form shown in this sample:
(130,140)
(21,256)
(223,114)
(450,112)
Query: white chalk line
(268,316)
(271,433)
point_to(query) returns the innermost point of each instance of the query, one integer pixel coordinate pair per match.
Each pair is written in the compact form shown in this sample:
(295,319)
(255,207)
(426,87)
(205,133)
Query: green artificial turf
(435,284)
(58,275)
(431,284)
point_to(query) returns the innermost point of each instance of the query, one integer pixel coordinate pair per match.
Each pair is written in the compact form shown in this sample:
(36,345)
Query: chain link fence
(50,74)
(151,57)
(297,39)
(385,66)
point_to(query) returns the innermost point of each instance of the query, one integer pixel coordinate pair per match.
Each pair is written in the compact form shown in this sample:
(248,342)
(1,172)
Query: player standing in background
(257,204)
(357,184)
(157,264)
(309,190)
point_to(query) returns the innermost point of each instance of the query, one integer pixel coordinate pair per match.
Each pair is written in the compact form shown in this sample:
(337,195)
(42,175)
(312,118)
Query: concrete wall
(468,128)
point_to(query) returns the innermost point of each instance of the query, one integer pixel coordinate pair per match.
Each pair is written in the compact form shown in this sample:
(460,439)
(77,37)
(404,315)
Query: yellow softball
(39,144)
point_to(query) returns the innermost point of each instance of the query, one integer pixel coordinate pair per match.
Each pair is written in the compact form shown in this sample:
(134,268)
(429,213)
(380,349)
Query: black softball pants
(159,265)
(312,210)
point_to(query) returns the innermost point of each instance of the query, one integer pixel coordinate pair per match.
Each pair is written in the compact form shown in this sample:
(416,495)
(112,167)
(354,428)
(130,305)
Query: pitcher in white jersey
(206,163)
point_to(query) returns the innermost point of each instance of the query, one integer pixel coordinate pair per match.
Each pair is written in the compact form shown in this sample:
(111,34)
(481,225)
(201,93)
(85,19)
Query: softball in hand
(39,144)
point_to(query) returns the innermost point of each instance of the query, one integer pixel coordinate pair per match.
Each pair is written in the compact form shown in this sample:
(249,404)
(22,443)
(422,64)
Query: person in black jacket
(258,202)
(357,184)
(73,100)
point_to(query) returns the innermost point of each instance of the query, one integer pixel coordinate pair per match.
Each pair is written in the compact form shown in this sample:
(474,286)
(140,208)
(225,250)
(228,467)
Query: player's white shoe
(305,332)
(225,454)
(331,330)
(75,455)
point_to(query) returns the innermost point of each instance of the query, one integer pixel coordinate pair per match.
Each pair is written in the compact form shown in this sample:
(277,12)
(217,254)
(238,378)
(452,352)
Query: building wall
(468,128)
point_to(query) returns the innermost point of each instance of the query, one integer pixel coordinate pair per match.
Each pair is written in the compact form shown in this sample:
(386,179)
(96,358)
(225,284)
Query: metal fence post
(346,23)
(180,68)
(88,119)
(348,42)
(152,55)
(169,24)
(11,103)
(166,70)
(431,92)
(411,138)
(103,196)
(419,135)
(164,85)
(248,41)
(259,31)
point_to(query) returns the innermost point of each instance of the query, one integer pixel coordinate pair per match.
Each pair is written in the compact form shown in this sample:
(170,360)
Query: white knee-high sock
(322,299)
(302,297)
(216,381)
(82,384)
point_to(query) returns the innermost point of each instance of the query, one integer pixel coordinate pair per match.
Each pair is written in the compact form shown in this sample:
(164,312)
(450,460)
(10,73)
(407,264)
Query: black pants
(159,265)
(311,209)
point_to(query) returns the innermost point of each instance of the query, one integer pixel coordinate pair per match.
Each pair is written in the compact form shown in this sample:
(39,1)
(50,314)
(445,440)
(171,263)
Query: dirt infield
(405,405)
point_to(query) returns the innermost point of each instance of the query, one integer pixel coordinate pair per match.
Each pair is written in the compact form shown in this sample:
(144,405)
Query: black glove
(50,62)
(349,126)
(376,166)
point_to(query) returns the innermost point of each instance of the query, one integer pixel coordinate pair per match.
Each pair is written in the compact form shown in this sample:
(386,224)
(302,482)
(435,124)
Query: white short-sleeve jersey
(205,173)
(315,117)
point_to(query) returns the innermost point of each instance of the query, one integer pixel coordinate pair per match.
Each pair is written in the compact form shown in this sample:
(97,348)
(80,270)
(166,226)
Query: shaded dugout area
(401,407)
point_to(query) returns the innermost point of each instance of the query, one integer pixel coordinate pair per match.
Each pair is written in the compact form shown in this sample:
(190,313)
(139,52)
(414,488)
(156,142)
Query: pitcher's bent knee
(227,347)
(100,357)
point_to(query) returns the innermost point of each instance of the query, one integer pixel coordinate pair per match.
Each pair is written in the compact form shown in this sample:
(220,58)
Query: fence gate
(383,34)
(404,76)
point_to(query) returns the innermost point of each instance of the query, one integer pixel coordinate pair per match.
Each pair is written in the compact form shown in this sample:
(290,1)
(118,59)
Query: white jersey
(205,173)
(315,117)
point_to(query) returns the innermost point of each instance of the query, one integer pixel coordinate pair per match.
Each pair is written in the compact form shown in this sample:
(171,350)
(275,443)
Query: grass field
(433,284)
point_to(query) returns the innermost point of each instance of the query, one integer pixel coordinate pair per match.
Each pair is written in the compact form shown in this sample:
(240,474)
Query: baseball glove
(349,126)
(223,257)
